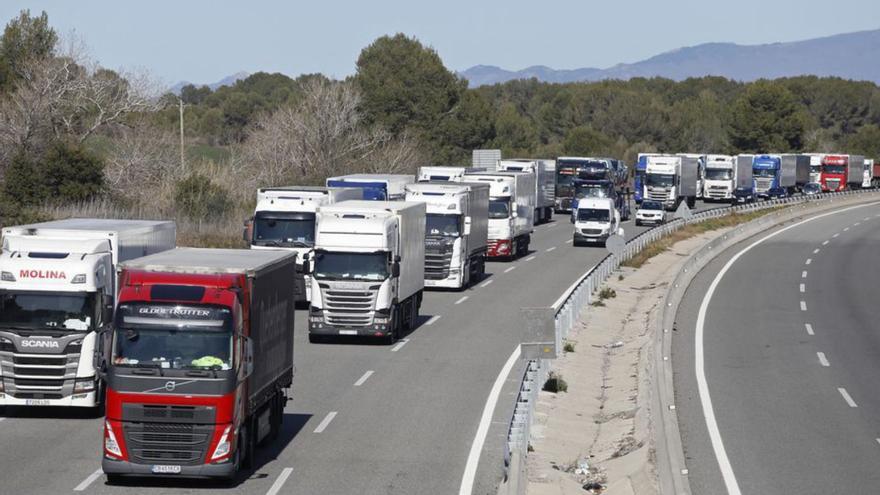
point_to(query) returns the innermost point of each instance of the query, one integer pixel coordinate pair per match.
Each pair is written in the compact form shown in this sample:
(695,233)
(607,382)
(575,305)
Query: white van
(595,219)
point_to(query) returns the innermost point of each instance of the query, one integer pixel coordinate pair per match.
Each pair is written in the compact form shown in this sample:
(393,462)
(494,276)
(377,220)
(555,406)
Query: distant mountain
(850,56)
(226,81)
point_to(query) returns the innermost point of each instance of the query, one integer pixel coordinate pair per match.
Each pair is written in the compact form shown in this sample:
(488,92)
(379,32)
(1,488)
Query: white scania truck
(57,290)
(456,230)
(368,269)
(671,179)
(511,211)
(285,219)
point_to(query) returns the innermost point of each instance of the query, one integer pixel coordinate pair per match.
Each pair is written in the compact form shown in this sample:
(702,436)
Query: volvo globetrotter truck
(511,211)
(57,287)
(201,358)
(456,229)
(671,179)
(780,175)
(720,177)
(377,187)
(842,172)
(545,183)
(368,269)
(285,219)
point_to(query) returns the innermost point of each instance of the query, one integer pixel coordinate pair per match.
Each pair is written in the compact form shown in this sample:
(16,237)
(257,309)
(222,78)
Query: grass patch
(555,383)
(568,347)
(598,303)
(607,293)
(692,230)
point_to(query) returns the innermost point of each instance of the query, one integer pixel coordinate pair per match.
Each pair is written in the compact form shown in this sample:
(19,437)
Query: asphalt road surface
(791,358)
(364,418)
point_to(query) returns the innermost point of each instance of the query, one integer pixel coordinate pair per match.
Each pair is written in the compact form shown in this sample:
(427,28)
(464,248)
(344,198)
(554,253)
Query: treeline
(76,138)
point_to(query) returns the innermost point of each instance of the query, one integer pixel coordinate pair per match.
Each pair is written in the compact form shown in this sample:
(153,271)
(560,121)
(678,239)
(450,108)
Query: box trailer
(377,187)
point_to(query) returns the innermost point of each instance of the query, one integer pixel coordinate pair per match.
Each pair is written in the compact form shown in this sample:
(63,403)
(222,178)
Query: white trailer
(57,291)
(511,211)
(368,269)
(285,219)
(377,187)
(545,183)
(456,231)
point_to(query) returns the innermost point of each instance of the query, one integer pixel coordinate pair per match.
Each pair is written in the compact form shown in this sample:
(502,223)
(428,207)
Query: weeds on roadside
(555,383)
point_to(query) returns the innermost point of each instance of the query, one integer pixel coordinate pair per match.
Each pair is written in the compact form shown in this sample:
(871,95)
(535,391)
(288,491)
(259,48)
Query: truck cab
(511,211)
(765,171)
(671,179)
(440,174)
(595,219)
(719,178)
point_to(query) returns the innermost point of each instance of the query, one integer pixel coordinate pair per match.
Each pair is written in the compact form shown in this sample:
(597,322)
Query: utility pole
(182,161)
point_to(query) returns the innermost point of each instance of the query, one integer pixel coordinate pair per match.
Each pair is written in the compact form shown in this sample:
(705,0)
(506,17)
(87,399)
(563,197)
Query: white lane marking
(530,258)
(803,287)
(804,274)
(569,241)
(866,219)
(846,229)
(463,299)
(699,358)
(815,251)
(849,400)
(825,243)
(836,235)
(551,249)
(809,329)
(279,482)
(857,224)
(1,419)
(399,345)
(470,469)
(512,268)
(364,378)
(822,359)
(803,305)
(809,260)
(486,283)
(89,480)
(432,320)
(325,422)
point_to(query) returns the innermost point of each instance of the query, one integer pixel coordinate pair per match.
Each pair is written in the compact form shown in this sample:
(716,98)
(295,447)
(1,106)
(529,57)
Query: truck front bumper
(453,281)
(220,470)
(89,399)
(328,330)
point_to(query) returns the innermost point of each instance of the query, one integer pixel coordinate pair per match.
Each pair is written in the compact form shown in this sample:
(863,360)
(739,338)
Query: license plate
(37,402)
(348,332)
(165,469)
(592,239)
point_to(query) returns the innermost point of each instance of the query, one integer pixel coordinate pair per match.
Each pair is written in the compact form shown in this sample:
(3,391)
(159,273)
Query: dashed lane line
(279,481)
(849,400)
(569,241)
(463,299)
(803,288)
(846,229)
(486,283)
(89,480)
(399,345)
(804,274)
(530,258)
(816,251)
(825,243)
(803,305)
(551,249)
(510,269)
(363,378)
(837,234)
(809,329)
(822,359)
(432,320)
(325,422)
(809,260)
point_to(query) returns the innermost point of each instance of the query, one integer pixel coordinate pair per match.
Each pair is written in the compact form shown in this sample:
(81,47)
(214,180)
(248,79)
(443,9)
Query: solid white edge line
(510,269)
(279,482)
(89,480)
(325,422)
(702,384)
(470,469)
(486,283)
(809,329)
(849,400)
(363,378)
(803,305)
(822,359)
(809,260)
(803,287)
(432,320)
(463,299)
(399,345)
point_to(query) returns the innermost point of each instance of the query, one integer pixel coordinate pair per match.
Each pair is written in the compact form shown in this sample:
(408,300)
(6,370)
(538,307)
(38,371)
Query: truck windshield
(175,337)
(284,230)
(592,215)
(764,172)
(445,225)
(660,180)
(590,191)
(833,169)
(48,310)
(719,174)
(499,207)
(564,177)
(351,266)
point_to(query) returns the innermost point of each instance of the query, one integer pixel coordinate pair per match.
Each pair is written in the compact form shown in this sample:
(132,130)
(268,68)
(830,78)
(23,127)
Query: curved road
(791,359)
(364,418)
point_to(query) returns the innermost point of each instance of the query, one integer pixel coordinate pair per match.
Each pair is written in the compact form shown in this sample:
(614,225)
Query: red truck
(842,172)
(198,361)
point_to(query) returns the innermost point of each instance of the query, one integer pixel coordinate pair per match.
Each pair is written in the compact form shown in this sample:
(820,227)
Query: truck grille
(658,194)
(167,443)
(39,376)
(349,308)
(832,184)
(763,184)
(437,260)
(718,192)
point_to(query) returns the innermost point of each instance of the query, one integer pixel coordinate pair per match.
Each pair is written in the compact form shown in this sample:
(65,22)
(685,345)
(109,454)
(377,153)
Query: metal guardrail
(572,303)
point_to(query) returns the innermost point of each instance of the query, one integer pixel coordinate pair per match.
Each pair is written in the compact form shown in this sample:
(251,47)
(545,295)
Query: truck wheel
(277,415)
(248,446)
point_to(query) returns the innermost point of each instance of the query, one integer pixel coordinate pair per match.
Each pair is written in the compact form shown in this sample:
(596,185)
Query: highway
(787,352)
(363,418)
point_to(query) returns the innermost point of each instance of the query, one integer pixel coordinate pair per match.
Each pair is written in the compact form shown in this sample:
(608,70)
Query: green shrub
(607,293)
(555,383)
(66,172)
(198,197)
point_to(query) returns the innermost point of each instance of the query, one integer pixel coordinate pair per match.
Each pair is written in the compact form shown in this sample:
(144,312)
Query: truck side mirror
(467,225)
(107,309)
(248,357)
(514,210)
(395,269)
(307,266)
(247,233)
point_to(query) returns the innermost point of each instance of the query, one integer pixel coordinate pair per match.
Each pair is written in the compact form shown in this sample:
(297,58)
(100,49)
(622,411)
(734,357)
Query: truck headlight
(83,385)
(222,448)
(111,446)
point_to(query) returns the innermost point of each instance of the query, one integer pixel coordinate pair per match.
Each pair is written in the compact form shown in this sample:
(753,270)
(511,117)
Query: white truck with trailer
(671,179)
(545,183)
(57,290)
(456,229)
(595,220)
(368,269)
(376,187)
(511,211)
(285,219)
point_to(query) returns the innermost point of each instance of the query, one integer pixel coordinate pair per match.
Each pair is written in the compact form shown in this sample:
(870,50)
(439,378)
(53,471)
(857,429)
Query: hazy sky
(202,41)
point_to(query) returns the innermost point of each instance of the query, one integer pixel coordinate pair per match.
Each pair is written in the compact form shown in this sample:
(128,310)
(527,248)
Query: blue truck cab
(766,175)
(377,187)
(639,178)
